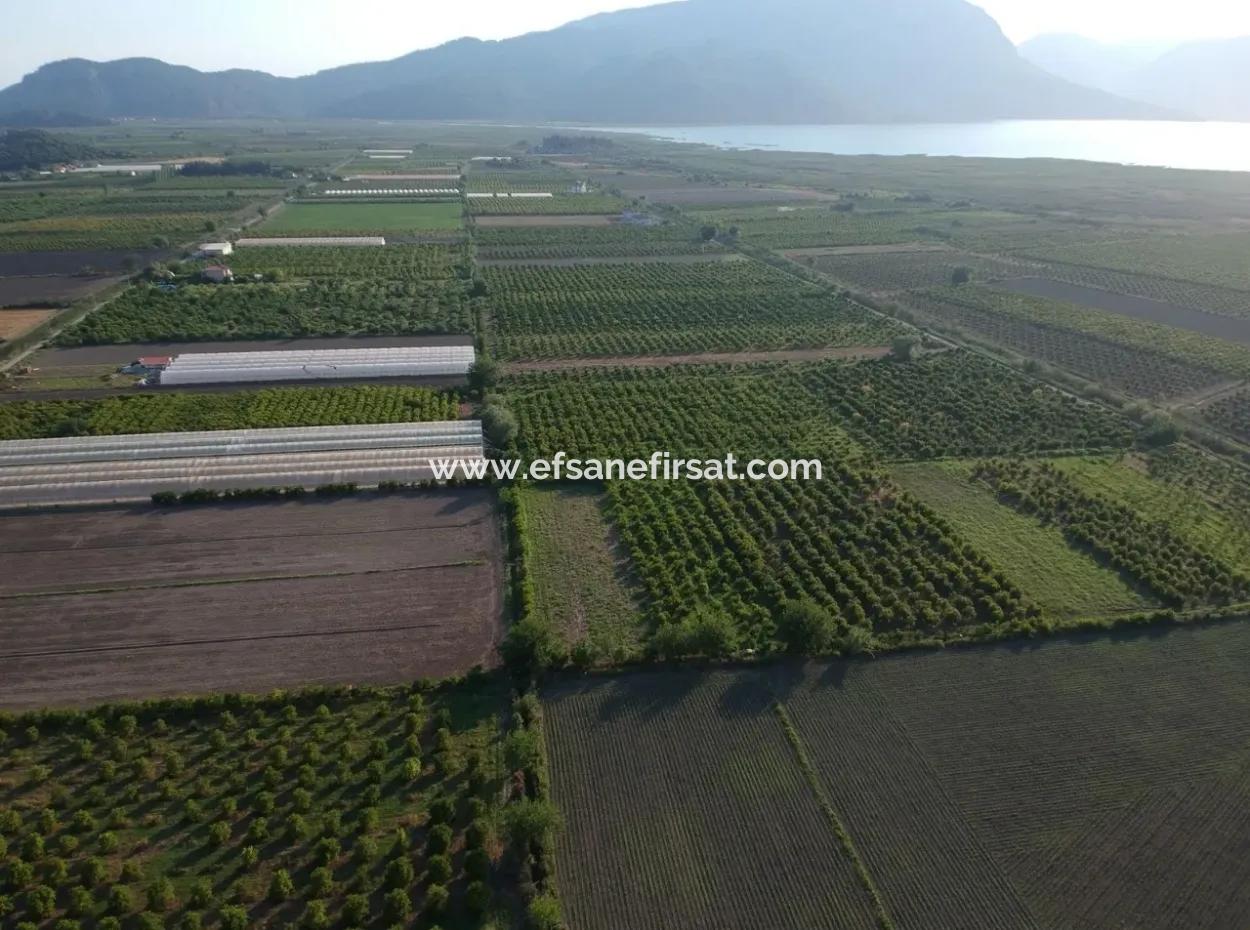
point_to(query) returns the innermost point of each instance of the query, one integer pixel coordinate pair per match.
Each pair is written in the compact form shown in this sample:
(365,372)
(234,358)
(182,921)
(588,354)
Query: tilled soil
(127,603)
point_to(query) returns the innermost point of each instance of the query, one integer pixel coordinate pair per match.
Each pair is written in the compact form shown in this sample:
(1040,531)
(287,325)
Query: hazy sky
(292,37)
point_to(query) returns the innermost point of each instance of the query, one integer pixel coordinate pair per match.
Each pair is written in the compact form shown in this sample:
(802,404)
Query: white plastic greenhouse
(132,467)
(318,364)
(396,191)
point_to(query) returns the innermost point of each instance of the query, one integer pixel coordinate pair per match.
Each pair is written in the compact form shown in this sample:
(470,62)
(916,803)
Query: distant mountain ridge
(1209,78)
(698,61)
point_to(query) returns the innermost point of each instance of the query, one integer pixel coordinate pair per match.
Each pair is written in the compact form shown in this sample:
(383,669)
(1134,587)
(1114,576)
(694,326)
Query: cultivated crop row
(1131,355)
(588,242)
(559,205)
(271,407)
(870,556)
(1181,345)
(668,308)
(29,208)
(898,271)
(1175,571)
(1231,413)
(263,311)
(1218,259)
(340,808)
(393,263)
(700,411)
(69,233)
(958,405)
(1209,297)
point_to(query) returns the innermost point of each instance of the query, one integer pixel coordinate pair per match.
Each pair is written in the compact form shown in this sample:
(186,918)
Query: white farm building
(318,364)
(215,249)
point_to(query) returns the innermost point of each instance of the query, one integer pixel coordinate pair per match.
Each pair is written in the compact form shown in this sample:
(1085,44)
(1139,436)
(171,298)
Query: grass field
(1097,783)
(1064,581)
(348,219)
(578,570)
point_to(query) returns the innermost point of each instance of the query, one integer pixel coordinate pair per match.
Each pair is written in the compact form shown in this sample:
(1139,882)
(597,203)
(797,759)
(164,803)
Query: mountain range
(1209,79)
(697,61)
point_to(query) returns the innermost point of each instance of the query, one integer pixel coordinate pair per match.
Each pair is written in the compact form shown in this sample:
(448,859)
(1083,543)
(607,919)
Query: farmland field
(1194,297)
(651,847)
(1144,359)
(577,221)
(1231,413)
(51,290)
(979,663)
(1151,311)
(396,262)
(14,323)
(919,410)
(1109,775)
(897,271)
(246,409)
(1212,521)
(348,805)
(560,204)
(1164,557)
(499,242)
(360,219)
(88,220)
(1062,579)
(886,220)
(1218,260)
(578,569)
(196,600)
(659,309)
(196,313)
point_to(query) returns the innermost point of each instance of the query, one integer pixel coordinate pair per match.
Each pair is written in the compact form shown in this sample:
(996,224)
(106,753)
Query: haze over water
(1196,145)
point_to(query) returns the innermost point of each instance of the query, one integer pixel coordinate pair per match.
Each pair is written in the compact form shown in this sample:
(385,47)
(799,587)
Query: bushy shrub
(438,868)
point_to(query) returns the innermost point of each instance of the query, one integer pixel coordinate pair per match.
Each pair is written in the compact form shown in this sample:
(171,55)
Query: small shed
(216,249)
(217,274)
(148,365)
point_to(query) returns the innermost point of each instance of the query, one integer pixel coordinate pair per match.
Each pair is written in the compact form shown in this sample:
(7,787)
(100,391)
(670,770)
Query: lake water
(1199,145)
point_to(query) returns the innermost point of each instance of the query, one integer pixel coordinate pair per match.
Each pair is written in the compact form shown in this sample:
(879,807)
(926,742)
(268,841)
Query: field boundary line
(199,583)
(826,805)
